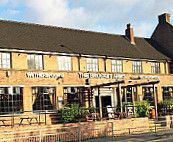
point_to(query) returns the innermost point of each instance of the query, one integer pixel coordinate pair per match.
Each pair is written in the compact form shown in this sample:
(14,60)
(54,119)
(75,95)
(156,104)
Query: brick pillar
(139,93)
(27,98)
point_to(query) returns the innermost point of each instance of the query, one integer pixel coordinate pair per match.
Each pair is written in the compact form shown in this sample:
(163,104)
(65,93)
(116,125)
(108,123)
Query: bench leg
(21,122)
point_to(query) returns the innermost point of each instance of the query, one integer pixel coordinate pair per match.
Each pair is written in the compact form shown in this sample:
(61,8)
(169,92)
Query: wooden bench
(93,117)
(3,122)
(29,120)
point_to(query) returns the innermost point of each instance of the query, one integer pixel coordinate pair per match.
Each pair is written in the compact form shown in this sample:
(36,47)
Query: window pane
(155,67)
(116,65)
(64,63)
(11,100)
(35,62)
(137,67)
(92,64)
(43,98)
(4,60)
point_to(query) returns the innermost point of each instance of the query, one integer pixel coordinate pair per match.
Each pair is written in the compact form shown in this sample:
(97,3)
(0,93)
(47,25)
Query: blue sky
(109,16)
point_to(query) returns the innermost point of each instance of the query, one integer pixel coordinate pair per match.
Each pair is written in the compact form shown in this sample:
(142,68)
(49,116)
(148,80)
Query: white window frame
(136,67)
(116,65)
(64,63)
(5,60)
(35,61)
(92,64)
(155,67)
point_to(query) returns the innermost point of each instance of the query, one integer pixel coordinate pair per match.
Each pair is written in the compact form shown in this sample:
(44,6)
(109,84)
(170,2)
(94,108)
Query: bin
(153,114)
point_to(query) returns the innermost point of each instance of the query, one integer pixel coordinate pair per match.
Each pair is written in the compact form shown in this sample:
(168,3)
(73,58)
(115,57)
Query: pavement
(162,136)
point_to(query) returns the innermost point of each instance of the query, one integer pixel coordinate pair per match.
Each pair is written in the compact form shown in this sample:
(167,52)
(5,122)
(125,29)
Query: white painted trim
(73,54)
(75,85)
(12,85)
(38,52)
(43,85)
(166,85)
(93,56)
(149,85)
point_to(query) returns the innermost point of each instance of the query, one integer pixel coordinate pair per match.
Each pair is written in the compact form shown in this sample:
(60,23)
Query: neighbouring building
(46,67)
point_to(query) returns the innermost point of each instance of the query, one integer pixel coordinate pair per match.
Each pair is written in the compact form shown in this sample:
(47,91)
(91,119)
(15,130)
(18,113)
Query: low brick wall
(166,121)
(120,126)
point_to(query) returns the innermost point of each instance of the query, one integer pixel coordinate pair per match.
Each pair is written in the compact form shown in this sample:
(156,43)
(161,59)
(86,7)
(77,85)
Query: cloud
(3,2)
(103,15)
(142,29)
(11,12)
(7,14)
(57,12)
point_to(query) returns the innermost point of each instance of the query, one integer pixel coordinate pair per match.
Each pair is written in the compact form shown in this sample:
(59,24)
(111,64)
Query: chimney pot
(164,18)
(129,33)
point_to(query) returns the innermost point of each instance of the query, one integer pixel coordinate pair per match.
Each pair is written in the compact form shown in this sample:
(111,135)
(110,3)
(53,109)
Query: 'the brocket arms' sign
(101,75)
(44,75)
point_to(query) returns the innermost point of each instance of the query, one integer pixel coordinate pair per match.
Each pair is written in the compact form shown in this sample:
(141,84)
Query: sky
(109,16)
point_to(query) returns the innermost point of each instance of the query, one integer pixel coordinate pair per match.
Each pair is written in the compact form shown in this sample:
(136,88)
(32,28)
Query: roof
(163,36)
(26,36)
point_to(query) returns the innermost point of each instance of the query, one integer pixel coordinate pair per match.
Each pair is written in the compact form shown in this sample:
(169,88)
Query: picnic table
(29,120)
(3,122)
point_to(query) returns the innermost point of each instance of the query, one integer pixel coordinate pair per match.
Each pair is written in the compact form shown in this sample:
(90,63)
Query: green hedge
(142,109)
(73,113)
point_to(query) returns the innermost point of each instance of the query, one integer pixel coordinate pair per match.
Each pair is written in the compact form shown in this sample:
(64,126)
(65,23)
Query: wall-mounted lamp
(87,81)
(128,60)
(61,45)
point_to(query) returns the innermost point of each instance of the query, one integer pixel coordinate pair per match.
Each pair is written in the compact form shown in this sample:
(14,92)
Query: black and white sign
(101,75)
(44,75)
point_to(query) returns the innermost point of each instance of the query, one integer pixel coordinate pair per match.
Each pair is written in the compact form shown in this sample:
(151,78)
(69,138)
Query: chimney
(129,34)
(164,18)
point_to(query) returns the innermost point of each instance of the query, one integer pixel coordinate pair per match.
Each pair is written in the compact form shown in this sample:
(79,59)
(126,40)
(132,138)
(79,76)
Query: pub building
(46,67)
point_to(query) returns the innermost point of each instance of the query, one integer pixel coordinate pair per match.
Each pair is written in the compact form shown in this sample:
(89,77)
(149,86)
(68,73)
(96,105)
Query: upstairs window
(155,67)
(116,65)
(92,64)
(64,63)
(5,60)
(137,67)
(35,62)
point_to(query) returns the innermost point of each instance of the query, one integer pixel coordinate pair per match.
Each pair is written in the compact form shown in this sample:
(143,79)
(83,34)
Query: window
(167,93)
(92,64)
(5,60)
(76,95)
(155,67)
(116,65)
(64,63)
(11,100)
(43,98)
(149,94)
(35,62)
(127,94)
(137,67)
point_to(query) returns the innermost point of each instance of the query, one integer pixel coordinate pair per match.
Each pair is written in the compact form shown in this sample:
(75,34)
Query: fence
(65,116)
(89,132)
(63,134)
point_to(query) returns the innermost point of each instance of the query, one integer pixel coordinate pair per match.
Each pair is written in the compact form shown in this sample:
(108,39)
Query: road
(169,139)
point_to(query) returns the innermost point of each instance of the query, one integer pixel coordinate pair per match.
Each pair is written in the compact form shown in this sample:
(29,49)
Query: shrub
(167,104)
(70,114)
(142,109)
